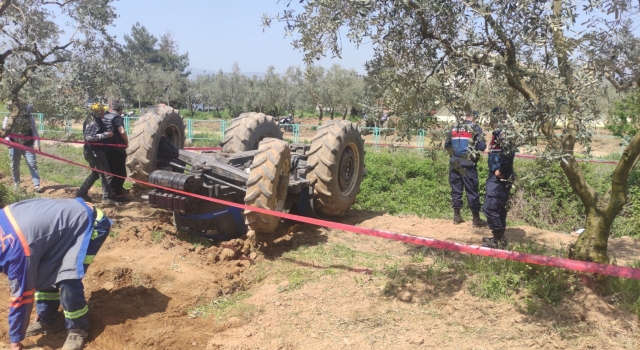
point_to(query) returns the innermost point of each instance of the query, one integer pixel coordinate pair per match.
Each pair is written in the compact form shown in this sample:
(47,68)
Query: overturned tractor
(255,167)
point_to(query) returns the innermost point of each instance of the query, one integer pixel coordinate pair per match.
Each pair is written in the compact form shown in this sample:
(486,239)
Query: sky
(217,33)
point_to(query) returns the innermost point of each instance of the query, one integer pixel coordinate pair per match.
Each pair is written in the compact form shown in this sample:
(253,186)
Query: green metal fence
(214,130)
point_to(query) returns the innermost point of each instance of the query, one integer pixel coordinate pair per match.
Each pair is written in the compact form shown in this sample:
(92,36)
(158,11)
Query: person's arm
(119,123)
(4,126)
(123,133)
(478,138)
(22,284)
(447,141)
(34,128)
(506,155)
(91,133)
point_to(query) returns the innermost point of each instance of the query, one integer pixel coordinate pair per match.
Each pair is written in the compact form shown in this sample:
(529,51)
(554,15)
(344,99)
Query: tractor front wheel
(268,184)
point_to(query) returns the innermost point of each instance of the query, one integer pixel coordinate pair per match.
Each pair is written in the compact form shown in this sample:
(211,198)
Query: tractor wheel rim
(347,169)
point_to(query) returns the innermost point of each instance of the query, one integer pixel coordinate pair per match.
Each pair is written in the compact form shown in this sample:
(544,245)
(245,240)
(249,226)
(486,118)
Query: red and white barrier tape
(564,263)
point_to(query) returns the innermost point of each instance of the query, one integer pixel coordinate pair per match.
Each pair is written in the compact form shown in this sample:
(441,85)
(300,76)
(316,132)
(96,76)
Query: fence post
(40,123)
(190,129)
(296,133)
(420,141)
(126,125)
(223,127)
(68,125)
(376,137)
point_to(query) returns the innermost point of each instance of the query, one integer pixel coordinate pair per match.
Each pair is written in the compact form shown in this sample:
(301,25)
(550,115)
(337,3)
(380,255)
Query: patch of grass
(224,307)
(8,195)
(499,279)
(206,139)
(401,274)
(113,233)
(528,286)
(258,273)
(337,255)
(296,278)
(308,263)
(404,181)
(625,292)
(200,241)
(157,236)
(51,169)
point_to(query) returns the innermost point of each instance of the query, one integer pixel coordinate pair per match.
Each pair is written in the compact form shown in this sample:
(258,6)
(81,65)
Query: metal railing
(197,129)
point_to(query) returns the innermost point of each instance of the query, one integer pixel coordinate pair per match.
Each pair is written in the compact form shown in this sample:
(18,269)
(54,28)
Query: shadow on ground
(108,308)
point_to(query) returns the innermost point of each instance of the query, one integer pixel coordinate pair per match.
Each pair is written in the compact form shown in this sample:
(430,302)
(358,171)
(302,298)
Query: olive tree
(543,61)
(35,43)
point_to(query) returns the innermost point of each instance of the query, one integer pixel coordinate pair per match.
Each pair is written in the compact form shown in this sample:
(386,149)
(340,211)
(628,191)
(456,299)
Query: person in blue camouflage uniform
(463,171)
(47,246)
(499,183)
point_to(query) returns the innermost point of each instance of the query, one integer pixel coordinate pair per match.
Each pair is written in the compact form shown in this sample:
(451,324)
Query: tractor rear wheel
(337,160)
(247,130)
(142,153)
(268,183)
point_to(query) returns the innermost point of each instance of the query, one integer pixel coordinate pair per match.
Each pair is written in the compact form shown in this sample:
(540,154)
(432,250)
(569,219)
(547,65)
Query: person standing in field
(95,134)
(462,141)
(499,183)
(26,132)
(117,154)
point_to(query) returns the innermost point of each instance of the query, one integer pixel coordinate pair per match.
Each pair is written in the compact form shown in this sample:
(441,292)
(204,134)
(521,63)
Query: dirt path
(306,287)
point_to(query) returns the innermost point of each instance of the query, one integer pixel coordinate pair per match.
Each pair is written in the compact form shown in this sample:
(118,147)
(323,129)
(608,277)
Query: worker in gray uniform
(47,246)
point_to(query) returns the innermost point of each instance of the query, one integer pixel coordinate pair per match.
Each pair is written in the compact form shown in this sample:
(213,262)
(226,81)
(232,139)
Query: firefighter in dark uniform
(499,183)
(463,171)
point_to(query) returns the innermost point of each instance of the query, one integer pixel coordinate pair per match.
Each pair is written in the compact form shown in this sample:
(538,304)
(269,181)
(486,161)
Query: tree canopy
(36,49)
(543,62)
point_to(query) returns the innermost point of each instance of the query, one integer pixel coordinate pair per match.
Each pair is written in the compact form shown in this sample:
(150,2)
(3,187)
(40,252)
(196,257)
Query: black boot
(477,222)
(457,218)
(497,241)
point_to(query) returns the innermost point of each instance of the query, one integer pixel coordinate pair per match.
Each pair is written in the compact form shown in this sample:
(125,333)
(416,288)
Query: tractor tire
(247,130)
(337,160)
(268,184)
(142,153)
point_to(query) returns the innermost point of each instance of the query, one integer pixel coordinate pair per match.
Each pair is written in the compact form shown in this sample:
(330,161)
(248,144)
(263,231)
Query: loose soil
(306,287)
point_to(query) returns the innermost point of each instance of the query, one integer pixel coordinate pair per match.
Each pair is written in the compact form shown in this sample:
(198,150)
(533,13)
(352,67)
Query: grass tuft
(225,307)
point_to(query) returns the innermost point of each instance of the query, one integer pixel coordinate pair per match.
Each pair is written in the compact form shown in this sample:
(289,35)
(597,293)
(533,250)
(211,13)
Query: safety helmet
(97,107)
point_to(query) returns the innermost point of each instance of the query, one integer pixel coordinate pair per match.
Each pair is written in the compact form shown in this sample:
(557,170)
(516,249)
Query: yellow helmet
(97,107)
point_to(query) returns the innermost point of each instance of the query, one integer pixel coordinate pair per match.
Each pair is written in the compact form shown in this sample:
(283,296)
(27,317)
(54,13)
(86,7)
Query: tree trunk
(592,243)
(331,113)
(346,109)
(600,213)
(321,110)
